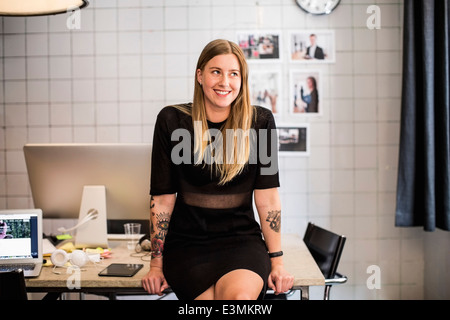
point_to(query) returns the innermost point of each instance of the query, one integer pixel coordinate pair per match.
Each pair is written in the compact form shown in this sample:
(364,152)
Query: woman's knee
(239,285)
(239,295)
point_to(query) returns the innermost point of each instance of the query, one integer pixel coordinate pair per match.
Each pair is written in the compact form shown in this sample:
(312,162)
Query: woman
(312,99)
(206,243)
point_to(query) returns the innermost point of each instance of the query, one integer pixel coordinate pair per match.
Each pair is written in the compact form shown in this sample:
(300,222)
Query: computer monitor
(58,174)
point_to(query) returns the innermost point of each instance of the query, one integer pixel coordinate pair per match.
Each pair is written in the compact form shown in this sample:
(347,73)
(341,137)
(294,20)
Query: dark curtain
(423,193)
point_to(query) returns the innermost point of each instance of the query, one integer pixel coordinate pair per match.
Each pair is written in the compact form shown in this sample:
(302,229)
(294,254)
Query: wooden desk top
(297,260)
(89,273)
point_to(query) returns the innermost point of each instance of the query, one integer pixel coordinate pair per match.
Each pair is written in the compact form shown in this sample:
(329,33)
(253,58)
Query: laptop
(21,241)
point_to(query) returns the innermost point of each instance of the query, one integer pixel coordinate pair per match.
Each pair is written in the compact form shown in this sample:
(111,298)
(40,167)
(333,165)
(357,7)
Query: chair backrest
(325,247)
(12,286)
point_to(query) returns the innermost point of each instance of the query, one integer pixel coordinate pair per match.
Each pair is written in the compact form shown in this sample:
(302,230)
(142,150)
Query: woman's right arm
(161,208)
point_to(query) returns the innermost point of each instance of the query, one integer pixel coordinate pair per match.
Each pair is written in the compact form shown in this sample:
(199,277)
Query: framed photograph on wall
(305,92)
(293,139)
(312,46)
(265,89)
(260,46)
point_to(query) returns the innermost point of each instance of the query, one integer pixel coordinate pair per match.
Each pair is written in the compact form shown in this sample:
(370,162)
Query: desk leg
(304,293)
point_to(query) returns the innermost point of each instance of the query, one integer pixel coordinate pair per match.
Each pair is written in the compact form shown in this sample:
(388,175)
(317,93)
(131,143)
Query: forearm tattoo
(274,219)
(152,202)
(159,228)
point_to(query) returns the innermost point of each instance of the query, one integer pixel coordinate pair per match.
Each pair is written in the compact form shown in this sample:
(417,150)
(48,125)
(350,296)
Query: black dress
(213,229)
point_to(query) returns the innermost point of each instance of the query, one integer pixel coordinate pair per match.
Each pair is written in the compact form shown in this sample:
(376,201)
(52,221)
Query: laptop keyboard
(12,267)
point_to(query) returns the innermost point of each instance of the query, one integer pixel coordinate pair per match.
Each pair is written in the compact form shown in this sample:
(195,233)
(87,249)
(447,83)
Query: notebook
(21,241)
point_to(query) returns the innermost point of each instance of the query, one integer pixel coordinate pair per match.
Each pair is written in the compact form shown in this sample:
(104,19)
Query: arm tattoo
(159,231)
(152,202)
(162,225)
(274,219)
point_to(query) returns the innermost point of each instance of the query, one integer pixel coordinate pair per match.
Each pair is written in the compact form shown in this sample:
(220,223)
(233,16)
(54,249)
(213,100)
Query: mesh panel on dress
(214,201)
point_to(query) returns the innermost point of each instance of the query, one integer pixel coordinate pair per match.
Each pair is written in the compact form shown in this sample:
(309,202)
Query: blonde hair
(240,117)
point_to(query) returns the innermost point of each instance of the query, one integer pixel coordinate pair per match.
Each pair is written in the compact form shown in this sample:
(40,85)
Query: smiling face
(221,82)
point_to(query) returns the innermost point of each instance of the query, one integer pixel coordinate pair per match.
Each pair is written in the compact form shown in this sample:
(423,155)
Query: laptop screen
(18,236)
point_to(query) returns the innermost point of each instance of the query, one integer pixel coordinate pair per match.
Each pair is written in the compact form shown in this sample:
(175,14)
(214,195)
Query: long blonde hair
(240,117)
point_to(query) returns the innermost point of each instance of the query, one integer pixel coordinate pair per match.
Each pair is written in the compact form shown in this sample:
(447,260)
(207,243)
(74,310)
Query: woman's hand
(279,279)
(154,281)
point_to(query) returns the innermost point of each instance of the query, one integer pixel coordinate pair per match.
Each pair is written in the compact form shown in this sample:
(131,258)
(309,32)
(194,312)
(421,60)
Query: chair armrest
(338,279)
(287,293)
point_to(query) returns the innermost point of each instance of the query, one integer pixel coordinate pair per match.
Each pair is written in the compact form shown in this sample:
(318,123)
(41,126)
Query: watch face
(318,6)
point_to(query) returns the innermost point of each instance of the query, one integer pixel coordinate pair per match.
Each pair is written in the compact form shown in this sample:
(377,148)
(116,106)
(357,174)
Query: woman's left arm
(268,204)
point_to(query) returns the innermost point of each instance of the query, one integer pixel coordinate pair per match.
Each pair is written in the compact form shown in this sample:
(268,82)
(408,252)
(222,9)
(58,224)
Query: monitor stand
(93,233)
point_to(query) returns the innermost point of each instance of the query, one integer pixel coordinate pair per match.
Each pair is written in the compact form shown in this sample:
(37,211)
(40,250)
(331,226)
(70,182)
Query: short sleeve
(267,173)
(163,171)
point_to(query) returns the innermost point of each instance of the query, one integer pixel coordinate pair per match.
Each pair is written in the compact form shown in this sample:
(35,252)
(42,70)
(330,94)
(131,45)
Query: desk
(297,260)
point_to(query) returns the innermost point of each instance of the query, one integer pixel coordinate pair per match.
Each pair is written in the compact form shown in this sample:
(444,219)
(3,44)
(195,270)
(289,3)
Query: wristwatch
(275,254)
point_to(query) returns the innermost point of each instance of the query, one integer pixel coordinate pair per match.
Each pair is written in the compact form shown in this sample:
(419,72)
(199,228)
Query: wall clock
(318,7)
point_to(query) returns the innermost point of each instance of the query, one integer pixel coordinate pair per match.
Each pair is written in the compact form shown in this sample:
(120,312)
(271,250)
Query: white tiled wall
(106,82)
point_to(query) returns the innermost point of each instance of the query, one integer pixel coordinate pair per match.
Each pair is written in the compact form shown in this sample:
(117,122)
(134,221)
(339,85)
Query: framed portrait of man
(312,46)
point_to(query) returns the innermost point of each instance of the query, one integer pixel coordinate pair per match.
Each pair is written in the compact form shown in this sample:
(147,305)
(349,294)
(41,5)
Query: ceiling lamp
(24,8)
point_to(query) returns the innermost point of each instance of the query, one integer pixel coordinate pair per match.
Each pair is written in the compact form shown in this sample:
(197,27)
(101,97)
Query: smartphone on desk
(121,270)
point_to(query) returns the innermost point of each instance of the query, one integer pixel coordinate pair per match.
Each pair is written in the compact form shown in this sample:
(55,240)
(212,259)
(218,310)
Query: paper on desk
(47,247)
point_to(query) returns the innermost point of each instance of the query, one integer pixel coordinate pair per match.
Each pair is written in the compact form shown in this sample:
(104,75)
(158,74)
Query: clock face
(318,6)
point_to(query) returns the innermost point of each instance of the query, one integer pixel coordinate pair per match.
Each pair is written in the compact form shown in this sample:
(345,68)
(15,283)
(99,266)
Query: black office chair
(12,286)
(326,248)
